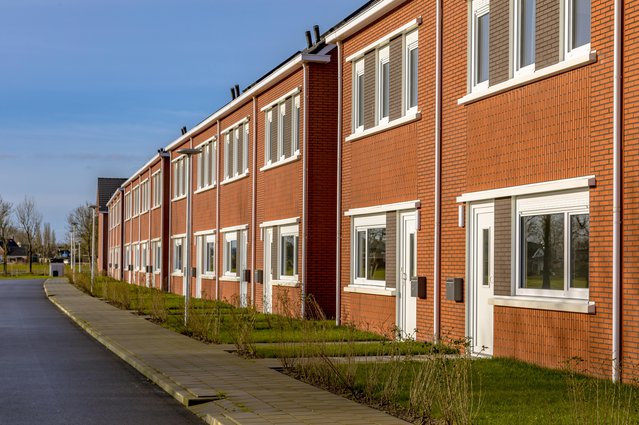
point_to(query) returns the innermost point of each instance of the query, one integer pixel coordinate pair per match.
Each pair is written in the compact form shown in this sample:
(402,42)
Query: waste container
(56,267)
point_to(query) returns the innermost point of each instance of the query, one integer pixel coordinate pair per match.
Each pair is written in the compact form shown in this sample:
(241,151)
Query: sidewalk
(220,387)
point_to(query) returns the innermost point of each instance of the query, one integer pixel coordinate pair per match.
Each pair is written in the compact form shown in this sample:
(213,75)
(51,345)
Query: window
(236,151)
(144,196)
(206,166)
(230,254)
(156,248)
(480,29)
(383,85)
(143,256)
(369,250)
(157,189)
(136,257)
(127,257)
(127,205)
(178,244)
(524,45)
(553,245)
(179,177)
(281,129)
(289,241)
(358,97)
(577,27)
(295,128)
(281,111)
(412,70)
(135,193)
(207,254)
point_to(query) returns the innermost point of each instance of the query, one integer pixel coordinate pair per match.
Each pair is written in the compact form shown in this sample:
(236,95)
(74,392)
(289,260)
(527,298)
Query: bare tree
(29,219)
(80,219)
(48,241)
(5,228)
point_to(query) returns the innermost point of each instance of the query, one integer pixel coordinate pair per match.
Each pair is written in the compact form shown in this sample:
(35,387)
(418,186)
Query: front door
(242,243)
(481,277)
(407,298)
(267,299)
(199,268)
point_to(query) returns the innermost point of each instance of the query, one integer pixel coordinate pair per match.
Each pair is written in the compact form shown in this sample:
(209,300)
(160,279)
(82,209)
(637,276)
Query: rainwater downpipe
(218,148)
(438,159)
(617,190)
(338,239)
(122,224)
(304,183)
(254,203)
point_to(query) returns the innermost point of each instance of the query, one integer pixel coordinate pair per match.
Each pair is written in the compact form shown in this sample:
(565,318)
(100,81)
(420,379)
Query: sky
(92,88)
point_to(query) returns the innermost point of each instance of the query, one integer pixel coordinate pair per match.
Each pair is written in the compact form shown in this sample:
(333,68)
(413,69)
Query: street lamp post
(189,224)
(93,207)
(72,250)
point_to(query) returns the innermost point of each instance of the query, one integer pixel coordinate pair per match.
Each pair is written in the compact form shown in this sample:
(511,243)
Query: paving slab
(220,387)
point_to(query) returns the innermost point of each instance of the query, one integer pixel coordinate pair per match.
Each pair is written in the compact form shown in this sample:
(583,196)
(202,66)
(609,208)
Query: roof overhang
(360,21)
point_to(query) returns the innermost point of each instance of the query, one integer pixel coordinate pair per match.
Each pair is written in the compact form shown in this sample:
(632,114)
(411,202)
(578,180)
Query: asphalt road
(51,372)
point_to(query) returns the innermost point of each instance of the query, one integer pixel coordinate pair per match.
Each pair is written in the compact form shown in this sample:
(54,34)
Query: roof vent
(237,90)
(183,130)
(309,40)
(233,93)
(316,31)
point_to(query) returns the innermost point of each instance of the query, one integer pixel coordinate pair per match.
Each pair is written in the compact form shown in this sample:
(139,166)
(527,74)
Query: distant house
(15,252)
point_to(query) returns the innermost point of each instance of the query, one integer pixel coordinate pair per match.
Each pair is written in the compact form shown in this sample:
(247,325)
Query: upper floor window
(135,194)
(206,165)
(577,27)
(144,196)
(524,45)
(480,29)
(281,130)
(358,96)
(156,180)
(236,151)
(127,205)
(179,177)
(383,85)
(412,67)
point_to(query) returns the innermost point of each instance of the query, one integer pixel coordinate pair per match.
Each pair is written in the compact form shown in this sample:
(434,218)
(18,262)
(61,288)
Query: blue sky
(92,88)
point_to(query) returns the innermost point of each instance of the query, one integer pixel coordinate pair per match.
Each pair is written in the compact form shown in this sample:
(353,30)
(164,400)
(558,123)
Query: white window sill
(543,303)
(208,276)
(384,127)
(229,279)
(288,160)
(370,290)
(549,71)
(156,207)
(177,274)
(157,272)
(204,189)
(288,283)
(234,179)
(178,198)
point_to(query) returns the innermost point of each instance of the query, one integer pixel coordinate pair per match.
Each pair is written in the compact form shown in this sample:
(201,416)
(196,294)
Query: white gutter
(304,183)
(438,166)
(338,256)
(617,191)
(218,145)
(362,20)
(254,203)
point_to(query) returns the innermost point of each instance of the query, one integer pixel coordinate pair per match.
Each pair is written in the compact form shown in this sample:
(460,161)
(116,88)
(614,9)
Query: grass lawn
(21,271)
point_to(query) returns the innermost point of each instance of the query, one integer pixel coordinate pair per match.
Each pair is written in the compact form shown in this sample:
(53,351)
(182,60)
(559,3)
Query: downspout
(438,154)
(149,194)
(137,273)
(163,243)
(254,204)
(338,239)
(122,224)
(304,191)
(617,190)
(217,211)
(169,240)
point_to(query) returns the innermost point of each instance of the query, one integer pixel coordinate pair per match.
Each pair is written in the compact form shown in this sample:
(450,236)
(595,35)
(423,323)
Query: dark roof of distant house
(106,188)
(15,250)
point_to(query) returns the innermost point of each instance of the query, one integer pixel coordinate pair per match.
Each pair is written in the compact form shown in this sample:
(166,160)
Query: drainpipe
(149,194)
(617,190)
(304,191)
(217,211)
(438,166)
(338,252)
(254,204)
(122,224)
(137,273)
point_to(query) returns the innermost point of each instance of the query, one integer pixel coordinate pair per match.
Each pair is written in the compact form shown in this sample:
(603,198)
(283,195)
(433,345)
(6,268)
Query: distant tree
(28,219)
(48,241)
(5,229)
(80,218)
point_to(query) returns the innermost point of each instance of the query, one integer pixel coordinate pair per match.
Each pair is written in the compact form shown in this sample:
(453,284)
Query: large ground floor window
(369,250)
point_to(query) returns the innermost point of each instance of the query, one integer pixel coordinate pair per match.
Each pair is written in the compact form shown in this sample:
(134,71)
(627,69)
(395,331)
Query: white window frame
(281,116)
(295,126)
(411,43)
(203,241)
(127,205)
(144,248)
(268,122)
(228,239)
(156,253)
(236,144)
(206,173)
(178,242)
(156,182)
(292,230)
(568,22)
(567,203)
(358,71)
(517,13)
(136,257)
(127,257)
(227,162)
(245,148)
(358,224)
(383,59)
(179,177)
(479,8)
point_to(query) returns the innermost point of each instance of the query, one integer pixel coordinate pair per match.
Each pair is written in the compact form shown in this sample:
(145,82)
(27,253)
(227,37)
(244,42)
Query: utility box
(418,286)
(56,267)
(455,289)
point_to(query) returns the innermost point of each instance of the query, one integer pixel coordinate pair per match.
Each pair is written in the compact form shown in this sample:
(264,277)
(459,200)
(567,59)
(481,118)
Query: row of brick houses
(442,169)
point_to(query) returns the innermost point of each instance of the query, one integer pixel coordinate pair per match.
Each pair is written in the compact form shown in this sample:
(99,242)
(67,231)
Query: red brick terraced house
(107,186)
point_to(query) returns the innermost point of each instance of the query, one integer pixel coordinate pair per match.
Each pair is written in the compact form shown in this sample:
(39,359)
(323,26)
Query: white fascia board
(529,189)
(234,228)
(399,206)
(293,92)
(315,58)
(362,20)
(142,169)
(282,222)
(281,73)
(404,28)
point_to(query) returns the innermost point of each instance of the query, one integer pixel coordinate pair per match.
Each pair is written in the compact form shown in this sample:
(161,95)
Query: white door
(242,266)
(406,299)
(481,277)
(267,299)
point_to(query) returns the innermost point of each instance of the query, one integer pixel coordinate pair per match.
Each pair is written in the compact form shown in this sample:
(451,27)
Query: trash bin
(56,267)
